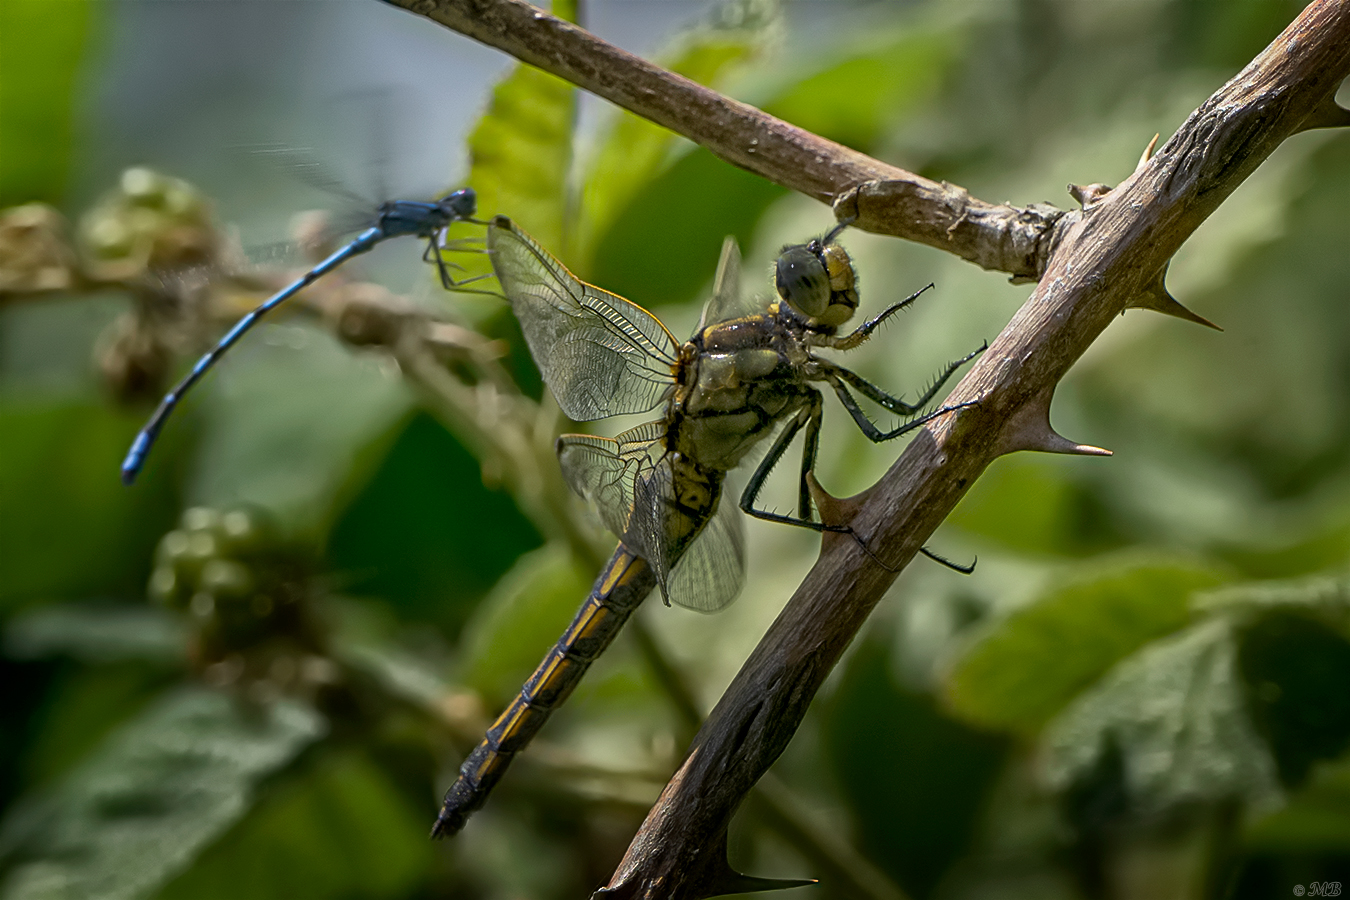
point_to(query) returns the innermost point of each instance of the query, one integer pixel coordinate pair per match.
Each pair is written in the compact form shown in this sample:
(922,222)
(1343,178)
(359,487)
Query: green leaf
(69,528)
(1175,714)
(39,65)
(1030,664)
(424,532)
(914,778)
(97,633)
(152,797)
(1316,819)
(1032,505)
(635,149)
(338,829)
(520,153)
(522,617)
(881,80)
(288,424)
(654,259)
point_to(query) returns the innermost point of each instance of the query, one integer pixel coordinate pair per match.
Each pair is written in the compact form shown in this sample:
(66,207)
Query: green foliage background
(1141,692)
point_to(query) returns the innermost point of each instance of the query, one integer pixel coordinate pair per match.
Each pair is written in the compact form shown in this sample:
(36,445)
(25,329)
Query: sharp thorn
(1147,154)
(1156,298)
(1327,114)
(1029,429)
(1089,194)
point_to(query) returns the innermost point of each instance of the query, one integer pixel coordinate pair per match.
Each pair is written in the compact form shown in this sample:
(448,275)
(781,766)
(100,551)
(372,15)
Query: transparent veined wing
(698,564)
(727,301)
(711,572)
(600,354)
(606,472)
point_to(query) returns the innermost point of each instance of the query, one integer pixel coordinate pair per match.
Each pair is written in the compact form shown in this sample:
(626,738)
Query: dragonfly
(396,218)
(748,371)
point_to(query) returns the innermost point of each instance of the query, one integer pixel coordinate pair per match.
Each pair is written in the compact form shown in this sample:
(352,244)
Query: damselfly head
(461,204)
(817,280)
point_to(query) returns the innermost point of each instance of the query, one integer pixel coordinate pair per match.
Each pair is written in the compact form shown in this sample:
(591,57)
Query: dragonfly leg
(809,417)
(872,432)
(809,450)
(864,331)
(433,254)
(954,566)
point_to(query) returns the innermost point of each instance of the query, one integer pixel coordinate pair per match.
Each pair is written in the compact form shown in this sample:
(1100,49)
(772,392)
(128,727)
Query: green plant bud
(144,187)
(166,589)
(172,547)
(107,236)
(200,518)
(225,578)
(242,532)
(203,605)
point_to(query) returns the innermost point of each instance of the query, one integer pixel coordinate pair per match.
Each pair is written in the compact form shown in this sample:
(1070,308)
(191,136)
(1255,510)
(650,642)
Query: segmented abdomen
(621,586)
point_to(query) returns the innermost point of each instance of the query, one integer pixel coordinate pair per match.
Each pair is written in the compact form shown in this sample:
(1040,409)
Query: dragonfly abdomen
(623,584)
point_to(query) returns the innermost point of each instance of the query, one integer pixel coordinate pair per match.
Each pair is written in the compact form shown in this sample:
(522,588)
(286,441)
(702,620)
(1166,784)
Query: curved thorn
(1147,154)
(1029,429)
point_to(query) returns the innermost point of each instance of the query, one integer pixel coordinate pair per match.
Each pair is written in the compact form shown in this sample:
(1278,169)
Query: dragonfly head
(460,204)
(817,280)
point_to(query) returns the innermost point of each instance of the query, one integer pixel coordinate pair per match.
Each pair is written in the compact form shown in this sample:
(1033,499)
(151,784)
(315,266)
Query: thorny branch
(1091,265)
(883,198)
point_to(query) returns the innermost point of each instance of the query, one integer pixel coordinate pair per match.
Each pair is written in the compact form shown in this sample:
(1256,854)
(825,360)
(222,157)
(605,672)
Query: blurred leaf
(523,616)
(97,633)
(156,793)
(291,416)
(1036,506)
(1033,662)
(1175,714)
(1316,819)
(425,533)
(80,707)
(69,528)
(1325,595)
(664,246)
(37,93)
(880,80)
(369,642)
(339,829)
(1297,669)
(635,149)
(880,738)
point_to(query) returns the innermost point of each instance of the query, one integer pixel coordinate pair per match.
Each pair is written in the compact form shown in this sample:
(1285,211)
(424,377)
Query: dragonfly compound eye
(803,281)
(843,286)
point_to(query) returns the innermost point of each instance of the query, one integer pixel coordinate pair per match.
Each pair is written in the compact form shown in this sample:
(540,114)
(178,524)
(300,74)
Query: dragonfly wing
(600,354)
(726,301)
(711,572)
(592,467)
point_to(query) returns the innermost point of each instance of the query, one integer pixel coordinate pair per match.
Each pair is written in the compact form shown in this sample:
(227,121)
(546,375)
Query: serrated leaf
(1325,595)
(157,791)
(97,633)
(1175,714)
(518,622)
(635,149)
(1032,663)
(338,829)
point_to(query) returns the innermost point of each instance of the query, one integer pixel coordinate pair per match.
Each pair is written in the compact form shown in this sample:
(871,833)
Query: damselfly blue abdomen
(397,218)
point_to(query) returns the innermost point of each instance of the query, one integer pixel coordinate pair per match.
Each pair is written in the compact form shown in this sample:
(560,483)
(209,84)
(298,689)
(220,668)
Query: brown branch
(884,198)
(1117,248)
